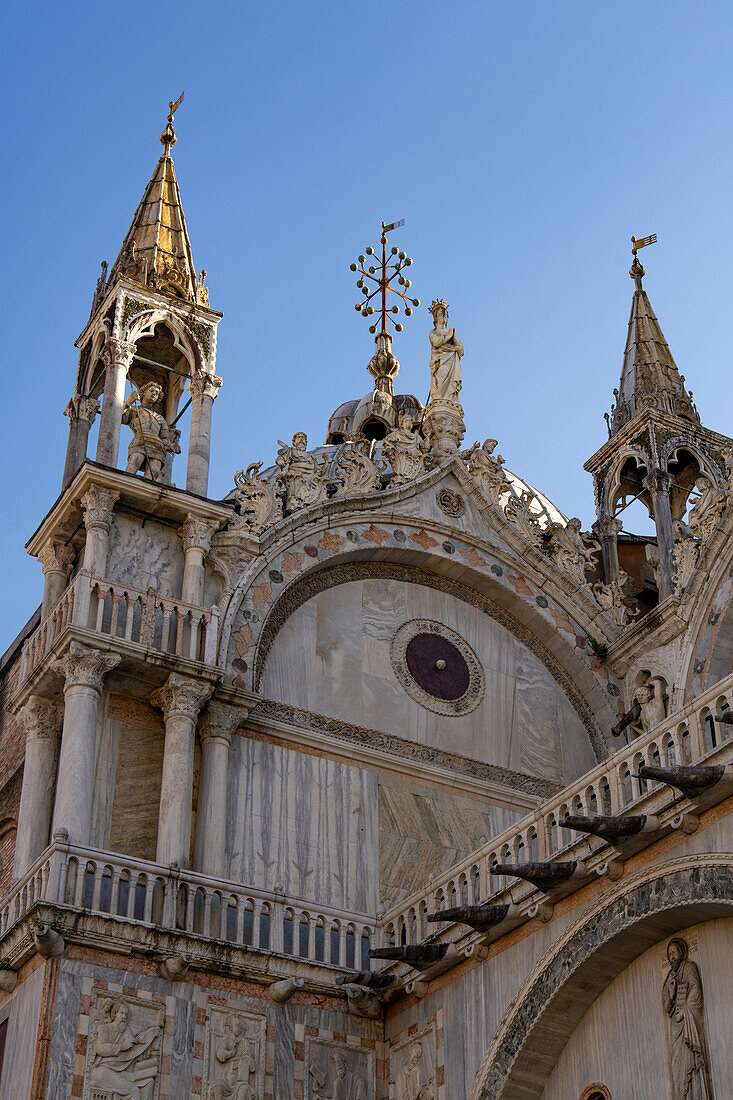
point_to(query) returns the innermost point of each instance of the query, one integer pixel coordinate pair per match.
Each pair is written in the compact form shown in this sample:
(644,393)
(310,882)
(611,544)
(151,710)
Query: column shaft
(41,721)
(658,483)
(81,412)
(117,355)
(203,389)
(210,852)
(195,535)
(98,507)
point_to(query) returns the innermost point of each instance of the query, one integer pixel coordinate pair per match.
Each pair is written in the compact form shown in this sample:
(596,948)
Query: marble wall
(21,1009)
(332,656)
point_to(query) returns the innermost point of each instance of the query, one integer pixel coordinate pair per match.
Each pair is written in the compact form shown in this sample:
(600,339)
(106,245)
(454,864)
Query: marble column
(81,412)
(117,356)
(84,670)
(41,720)
(658,483)
(606,529)
(195,535)
(203,389)
(180,699)
(217,727)
(98,505)
(57,560)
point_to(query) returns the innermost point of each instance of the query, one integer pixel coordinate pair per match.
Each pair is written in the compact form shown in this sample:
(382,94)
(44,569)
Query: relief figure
(339,1081)
(236,1065)
(124,1062)
(410,1083)
(683,1004)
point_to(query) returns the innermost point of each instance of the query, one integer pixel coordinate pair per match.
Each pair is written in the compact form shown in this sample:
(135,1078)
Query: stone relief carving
(124,1049)
(82,408)
(258,503)
(197,533)
(302,475)
(450,502)
(336,1072)
(486,469)
(152,438)
(705,514)
(357,470)
(56,557)
(98,505)
(414,1072)
(405,451)
(41,718)
(682,998)
(567,548)
(234,1056)
(611,598)
(84,667)
(437,667)
(519,511)
(181,696)
(686,554)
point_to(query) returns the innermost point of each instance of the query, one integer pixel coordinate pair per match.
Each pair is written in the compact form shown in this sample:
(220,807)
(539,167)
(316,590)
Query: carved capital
(197,533)
(98,505)
(56,557)
(82,408)
(83,667)
(41,719)
(181,697)
(117,353)
(607,527)
(658,481)
(204,385)
(220,721)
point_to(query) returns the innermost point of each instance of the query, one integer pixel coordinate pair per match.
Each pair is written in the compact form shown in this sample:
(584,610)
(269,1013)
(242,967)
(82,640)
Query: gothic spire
(156,251)
(649,375)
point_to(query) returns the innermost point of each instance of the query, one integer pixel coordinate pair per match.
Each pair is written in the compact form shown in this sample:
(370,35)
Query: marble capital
(204,385)
(41,718)
(658,481)
(56,557)
(98,505)
(82,408)
(220,721)
(197,534)
(117,352)
(607,527)
(84,667)
(181,696)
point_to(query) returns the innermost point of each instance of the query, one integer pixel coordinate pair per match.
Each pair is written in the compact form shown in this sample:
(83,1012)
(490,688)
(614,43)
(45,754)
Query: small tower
(151,325)
(657,447)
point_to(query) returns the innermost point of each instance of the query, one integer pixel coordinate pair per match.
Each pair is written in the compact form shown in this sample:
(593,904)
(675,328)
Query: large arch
(654,903)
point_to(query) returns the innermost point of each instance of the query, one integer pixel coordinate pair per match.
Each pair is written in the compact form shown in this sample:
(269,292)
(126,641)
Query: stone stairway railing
(690,736)
(167,898)
(128,614)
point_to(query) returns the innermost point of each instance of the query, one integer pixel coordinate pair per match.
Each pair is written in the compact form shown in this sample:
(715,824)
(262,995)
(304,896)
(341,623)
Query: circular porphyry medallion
(437,667)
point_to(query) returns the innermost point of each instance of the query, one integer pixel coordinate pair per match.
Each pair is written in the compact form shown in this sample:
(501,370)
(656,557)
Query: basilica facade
(379,777)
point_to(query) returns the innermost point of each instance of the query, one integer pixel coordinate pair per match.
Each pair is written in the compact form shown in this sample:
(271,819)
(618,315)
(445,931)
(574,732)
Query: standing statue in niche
(301,475)
(152,439)
(410,1084)
(124,1062)
(236,1064)
(339,1082)
(683,1003)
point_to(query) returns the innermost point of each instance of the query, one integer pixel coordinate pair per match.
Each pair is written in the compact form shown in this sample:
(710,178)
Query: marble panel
(124,1047)
(337,671)
(413,1067)
(21,1009)
(335,1071)
(149,556)
(105,763)
(302,822)
(234,1054)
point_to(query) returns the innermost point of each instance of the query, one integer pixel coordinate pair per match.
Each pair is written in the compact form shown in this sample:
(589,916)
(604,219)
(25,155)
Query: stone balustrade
(106,883)
(691,736)
(127,614)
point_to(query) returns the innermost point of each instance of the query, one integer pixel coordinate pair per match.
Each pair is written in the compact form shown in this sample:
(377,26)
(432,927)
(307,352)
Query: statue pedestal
(443,426)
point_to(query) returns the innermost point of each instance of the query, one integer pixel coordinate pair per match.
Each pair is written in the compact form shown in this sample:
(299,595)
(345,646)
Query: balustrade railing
(687,737)
(129,614)
(105,883)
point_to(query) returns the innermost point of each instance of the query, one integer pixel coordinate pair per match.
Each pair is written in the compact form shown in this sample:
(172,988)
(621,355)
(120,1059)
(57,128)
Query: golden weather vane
(168,137)
(375,280)
(173,107)
(642,242)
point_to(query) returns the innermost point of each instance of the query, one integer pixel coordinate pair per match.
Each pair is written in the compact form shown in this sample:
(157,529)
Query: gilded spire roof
(156,251)
(649,376)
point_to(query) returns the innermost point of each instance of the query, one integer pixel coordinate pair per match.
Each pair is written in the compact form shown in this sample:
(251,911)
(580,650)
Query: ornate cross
(380,275)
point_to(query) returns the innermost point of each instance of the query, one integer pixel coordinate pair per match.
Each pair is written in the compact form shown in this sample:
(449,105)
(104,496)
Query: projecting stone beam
(419,956)
(691,780)
(542,875)
(725,717)
(479,917)
(612,827)
(368,979)
(632,715)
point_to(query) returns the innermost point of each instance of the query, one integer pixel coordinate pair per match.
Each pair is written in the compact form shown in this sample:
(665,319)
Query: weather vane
(642,242)
(168,137)
(376,280)
(173,106)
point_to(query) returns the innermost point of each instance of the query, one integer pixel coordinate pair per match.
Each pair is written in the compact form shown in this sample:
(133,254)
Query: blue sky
(523,143)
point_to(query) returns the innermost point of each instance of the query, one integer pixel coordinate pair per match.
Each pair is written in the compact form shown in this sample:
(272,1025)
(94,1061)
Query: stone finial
(181,696)
(84,667)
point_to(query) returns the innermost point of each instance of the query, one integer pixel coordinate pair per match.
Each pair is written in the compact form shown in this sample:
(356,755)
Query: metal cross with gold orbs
(380,274)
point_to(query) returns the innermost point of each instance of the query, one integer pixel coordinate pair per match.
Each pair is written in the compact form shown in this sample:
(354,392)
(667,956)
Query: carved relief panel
(124,1048)
(338,1072)
(683,1003)
(234,1055)
(413,1068)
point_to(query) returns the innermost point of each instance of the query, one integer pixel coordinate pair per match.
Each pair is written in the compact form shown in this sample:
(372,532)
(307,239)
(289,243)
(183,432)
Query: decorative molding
(202,335)
(468,700)
(304,588)
(131,309)
(269,709)
(450,502)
